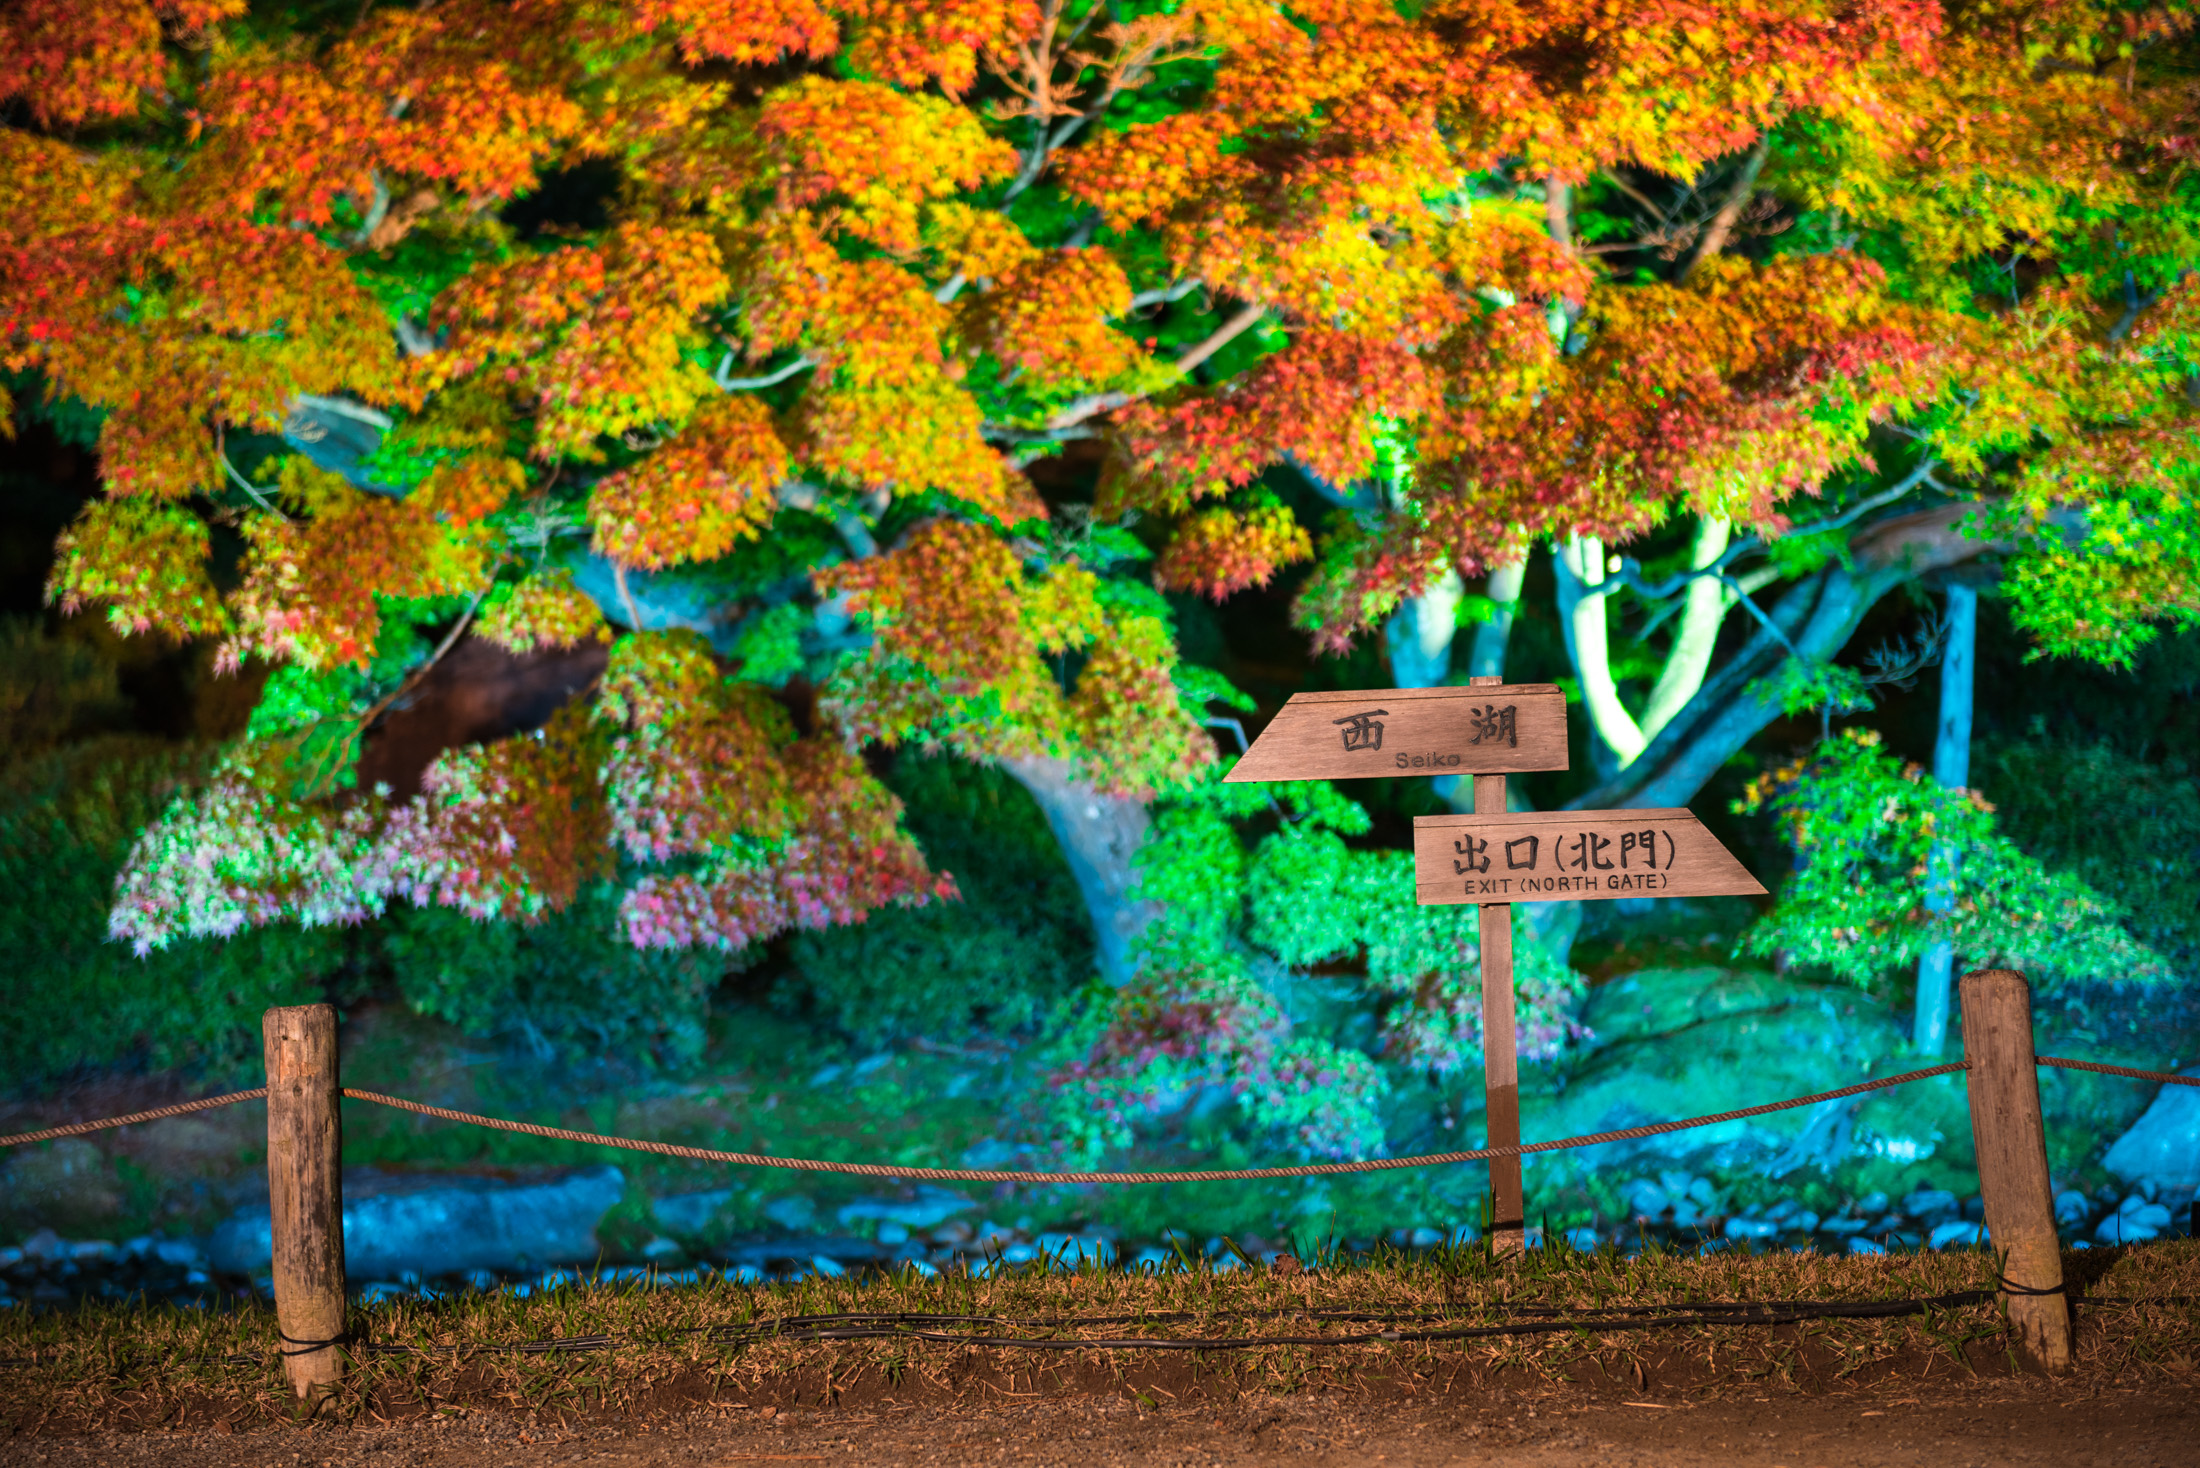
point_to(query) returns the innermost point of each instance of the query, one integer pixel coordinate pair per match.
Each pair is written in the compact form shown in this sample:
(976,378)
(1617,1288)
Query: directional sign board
(1372,733)
(1572,856)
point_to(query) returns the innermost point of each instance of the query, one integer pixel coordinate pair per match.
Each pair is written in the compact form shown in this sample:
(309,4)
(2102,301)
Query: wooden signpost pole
(1492,858)
(1500,1047)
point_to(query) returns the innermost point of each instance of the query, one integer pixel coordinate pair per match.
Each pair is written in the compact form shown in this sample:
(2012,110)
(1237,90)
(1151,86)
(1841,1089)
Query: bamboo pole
(2011,1141)
(1500,1046)
(305,1193)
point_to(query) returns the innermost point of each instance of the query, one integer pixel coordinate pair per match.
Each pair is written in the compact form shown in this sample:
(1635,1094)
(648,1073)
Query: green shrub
(51,688)
(998,960)
(2124,826)
(1870,828)
(568,985)
(70,998)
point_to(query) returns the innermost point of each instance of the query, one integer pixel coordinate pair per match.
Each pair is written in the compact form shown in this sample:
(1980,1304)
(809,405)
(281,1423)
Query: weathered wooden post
(305,1193)
(2011,1142)
(1500,1043)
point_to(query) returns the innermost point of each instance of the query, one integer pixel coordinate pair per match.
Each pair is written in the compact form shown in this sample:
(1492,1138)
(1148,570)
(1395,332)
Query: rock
(794,1212)
(182,1253)
(1869,1204)
(1865,1246)
(891,1232)
(435,1224)
(930,1208)
(68,1185)
(1747,1038)
(688,1215)
(2072,1208)
(1659,1001)
(1751,1228)
(1645,1199)
(2136,1221)
(45,1246)
(1957,1233)
(1928,1202)
(2163,1145)
(1582,1240)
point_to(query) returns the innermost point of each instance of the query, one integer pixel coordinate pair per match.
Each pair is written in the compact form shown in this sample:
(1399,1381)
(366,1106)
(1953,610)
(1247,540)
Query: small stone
(1929,1203)
(1871,1203)
(1866,1246)
(2072,1208)
(1957,1234)
(2129,1225)
(45,1245)
(1751,1228)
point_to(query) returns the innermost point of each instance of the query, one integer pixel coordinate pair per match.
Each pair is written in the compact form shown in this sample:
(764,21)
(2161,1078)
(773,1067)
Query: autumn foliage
(760,310)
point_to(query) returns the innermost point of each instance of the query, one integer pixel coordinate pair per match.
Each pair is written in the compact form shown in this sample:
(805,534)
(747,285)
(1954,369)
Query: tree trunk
(1487,658)
(1419,635)
(1817,615)
(1951,767)
(1099,835)
(1614,740)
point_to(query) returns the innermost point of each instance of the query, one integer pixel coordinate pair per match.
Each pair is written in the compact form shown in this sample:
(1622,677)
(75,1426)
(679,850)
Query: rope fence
(1004,1175)
(158,1113)
(1204,1175)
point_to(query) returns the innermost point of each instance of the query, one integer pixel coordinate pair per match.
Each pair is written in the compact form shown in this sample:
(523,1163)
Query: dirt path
(1990,1422)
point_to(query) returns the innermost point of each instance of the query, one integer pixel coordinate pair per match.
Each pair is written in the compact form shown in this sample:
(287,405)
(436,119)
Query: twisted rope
(77,1129)
(995,1175)
(2166,1077)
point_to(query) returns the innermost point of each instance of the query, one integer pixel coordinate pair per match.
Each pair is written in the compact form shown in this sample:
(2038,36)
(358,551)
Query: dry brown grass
(723,1341)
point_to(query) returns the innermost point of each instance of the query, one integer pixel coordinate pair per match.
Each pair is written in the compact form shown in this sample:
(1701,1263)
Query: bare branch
(802,363)
(259,495)
(414,339)
(1161,296)
(450,640)
(1094,404)
(1729,213)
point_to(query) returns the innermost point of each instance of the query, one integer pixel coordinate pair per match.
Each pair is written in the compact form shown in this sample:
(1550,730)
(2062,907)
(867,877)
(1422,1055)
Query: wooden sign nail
(1392,732)
(1572,856)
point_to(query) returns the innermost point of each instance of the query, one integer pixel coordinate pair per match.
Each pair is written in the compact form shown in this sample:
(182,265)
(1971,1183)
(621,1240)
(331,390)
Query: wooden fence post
(1500,1045)
(2004,1085)
(305,1192)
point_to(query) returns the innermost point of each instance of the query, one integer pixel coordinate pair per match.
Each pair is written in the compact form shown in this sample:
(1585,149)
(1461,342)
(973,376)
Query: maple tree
(764,413)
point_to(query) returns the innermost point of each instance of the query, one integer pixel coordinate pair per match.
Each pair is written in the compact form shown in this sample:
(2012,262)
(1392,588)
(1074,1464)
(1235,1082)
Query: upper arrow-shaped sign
(1492,729)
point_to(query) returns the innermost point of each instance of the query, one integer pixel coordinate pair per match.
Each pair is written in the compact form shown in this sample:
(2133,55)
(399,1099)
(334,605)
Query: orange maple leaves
(692,499)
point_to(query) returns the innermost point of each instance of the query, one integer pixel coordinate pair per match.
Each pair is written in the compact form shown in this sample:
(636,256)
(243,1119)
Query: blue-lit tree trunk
(1952,767)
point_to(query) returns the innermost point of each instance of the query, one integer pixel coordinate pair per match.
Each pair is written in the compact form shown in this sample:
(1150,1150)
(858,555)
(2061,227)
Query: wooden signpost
(1487,729)
(1492,858)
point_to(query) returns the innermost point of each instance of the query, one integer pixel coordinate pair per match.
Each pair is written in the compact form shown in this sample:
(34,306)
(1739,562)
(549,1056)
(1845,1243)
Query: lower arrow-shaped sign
(1572,856)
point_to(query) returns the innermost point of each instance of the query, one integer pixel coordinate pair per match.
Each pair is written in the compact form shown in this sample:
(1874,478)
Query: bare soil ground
(1539,1359)
(1953,1423)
